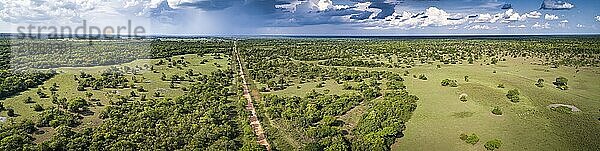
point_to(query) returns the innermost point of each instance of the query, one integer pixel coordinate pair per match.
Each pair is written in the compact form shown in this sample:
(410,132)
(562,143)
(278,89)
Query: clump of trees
(13,82)
(561,83)
(470,139)
(450,83)
(493,144)
(422,77)
(513,95)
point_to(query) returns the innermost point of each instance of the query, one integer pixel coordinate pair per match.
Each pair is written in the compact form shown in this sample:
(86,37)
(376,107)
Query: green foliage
(463,137)
(513,95)
(472,139)
(11,112)
(540,83)
(381,124)
(13,82)
(16,136)
(422,77)
(562,109)
(561,83)
(77,105)
(38,108)
(450,83)
(493,144)
(497,111)
(54,117)
(501,85)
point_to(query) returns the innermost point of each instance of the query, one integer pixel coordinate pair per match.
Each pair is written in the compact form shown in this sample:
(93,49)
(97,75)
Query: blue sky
(312,17)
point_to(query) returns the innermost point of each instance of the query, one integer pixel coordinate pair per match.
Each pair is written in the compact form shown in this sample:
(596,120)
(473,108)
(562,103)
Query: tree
(10,112)
(463,136)
(77,105)
(466,78)
(472,139)
(497,111)
(540,83)
(41,94)
(37,108)
(513,95)
(463,98)
(493,144)
(561,83)
(1,106)
(501,85)
(28,100)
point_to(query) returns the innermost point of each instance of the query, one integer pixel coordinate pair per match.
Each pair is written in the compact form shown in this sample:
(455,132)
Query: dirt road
(254,122)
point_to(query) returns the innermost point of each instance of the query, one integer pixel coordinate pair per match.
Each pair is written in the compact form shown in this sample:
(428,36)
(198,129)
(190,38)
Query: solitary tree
(513,95)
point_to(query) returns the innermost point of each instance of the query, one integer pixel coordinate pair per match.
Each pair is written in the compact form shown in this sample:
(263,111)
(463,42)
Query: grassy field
(441,117)
(152,83)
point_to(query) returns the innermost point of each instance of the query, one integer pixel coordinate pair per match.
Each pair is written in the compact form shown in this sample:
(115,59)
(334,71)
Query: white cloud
(550,17)
(537,25)
(534,14)
(597,18)
(431,17)
(480,27)
(580,26)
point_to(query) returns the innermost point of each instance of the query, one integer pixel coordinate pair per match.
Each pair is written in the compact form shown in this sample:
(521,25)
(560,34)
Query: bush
(472,139)
(10,112)
(540,83)
(561,83)
(513,95)
(463,136)
(463,98)
(562,109)
(1,106)
(448,82)
(497,111)
(37,108)
(501,85)
(422,77)
(493,144)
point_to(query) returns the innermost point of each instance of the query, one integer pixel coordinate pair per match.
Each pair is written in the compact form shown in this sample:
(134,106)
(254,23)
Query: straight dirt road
(254,122)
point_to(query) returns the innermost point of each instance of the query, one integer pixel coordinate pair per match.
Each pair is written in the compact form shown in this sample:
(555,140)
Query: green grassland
(527,125)
(152,82)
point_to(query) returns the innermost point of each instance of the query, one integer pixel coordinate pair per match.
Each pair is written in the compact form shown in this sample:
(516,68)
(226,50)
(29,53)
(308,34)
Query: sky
(308,17)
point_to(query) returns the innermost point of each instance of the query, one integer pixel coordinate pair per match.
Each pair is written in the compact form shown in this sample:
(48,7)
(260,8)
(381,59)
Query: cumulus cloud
(556,5)
(580,26)
(550,17)
(432,16)
(597,18)
(480,27)
(534,14)
(45,11)
(537,25)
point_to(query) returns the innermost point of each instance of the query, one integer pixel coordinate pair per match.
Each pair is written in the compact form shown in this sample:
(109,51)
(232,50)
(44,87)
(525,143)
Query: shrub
(562,109)
(493,144)
(463,136)
(497,111)
(501,85)
(28,100)
(37,108)
(561,83)
(1,106)
(513,95)
(540,83)
(472,139)
(422,77)
(10,112)
(463,98)
(448,82)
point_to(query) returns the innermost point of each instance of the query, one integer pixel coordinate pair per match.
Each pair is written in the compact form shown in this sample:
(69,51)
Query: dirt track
(254,122)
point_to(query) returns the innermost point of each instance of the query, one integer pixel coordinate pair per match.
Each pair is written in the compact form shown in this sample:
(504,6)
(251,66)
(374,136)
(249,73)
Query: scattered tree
(493,144)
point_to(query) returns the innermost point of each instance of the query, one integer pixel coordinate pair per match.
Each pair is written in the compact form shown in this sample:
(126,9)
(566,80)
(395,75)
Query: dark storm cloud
(556,5)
